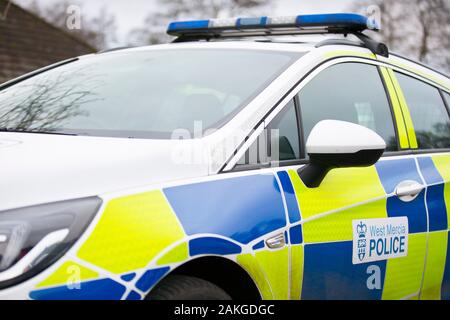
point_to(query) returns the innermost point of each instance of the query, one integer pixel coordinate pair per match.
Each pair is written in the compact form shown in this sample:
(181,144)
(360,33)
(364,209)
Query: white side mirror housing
(340,137)
(339,144)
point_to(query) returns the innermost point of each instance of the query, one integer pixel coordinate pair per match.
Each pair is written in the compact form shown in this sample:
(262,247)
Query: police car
(252,158)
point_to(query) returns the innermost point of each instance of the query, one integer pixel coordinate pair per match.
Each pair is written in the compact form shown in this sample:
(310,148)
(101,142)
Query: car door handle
(407,191)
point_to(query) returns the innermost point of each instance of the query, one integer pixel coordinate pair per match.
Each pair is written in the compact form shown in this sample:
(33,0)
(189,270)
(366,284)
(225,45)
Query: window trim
(230,165)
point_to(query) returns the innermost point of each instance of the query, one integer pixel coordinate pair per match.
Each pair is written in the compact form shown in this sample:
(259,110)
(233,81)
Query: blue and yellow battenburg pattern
(139,239)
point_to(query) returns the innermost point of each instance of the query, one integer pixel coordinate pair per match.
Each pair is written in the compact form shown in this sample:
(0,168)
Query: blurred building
(27,42)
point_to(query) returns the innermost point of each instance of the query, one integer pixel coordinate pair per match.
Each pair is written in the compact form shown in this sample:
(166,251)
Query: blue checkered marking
(242,208)
(437,211)
(296,235)
(330,274)
(210,245)
(104,289)
(289,194)
(133,296)
(150,278)
(259,245)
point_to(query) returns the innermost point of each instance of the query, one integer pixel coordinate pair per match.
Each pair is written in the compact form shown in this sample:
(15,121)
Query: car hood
(40,168)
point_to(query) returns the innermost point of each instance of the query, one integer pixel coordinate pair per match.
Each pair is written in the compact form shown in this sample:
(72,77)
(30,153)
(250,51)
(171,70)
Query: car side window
(429,115)
(352,92)
(278,142)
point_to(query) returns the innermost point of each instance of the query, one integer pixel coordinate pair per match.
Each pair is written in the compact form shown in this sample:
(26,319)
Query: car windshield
(141,94)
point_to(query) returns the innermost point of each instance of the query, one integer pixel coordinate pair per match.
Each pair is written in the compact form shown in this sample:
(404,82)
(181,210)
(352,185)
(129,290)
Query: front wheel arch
(222,272)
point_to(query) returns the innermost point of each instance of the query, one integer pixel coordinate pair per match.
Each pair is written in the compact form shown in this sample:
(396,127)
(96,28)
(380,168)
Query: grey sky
(131,13)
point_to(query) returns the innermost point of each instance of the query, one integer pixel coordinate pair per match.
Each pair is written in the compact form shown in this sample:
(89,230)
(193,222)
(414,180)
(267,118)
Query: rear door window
(428,112)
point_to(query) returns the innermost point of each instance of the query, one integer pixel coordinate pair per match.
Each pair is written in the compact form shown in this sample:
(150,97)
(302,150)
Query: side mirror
(338,144)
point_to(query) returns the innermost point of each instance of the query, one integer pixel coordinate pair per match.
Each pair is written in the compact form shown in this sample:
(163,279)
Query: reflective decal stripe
(212,246)
(68,271)
(150,278)
(398,114)
(405,110)
(435,266)
(296,235)
(131,232)
(134,296)
(253,268)
(327,232)
(404,275)
(297,263)
(330,274)
(340,188)
(336,196)
(135,230)
(442,163)
(128,277)
(275,265)
(437,212)
(338,226)
(103,289)
(289,194)
(178,254)
(328,211)
(241,208)
(259,245)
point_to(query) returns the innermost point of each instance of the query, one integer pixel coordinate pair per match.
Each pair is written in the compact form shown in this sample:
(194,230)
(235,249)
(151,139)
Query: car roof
(232,44)
(315,44)
(306,33)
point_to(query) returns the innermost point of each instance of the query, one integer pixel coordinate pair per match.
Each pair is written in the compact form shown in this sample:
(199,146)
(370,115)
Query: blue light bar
(304,24)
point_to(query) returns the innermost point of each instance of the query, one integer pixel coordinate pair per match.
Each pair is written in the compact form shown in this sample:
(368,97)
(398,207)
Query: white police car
(243,160)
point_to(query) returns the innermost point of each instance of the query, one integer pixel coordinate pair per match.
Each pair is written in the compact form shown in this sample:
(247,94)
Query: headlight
(33,238)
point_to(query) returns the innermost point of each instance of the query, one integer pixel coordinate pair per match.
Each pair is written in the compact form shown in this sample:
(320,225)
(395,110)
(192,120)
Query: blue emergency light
(336,23)
(302,24)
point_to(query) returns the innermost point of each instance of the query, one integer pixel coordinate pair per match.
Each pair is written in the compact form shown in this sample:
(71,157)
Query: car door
(429,119)
(327,225)
(351,201)
(324,237)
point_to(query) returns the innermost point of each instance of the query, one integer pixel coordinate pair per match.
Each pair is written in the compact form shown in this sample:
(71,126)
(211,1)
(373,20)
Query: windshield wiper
(5,129)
